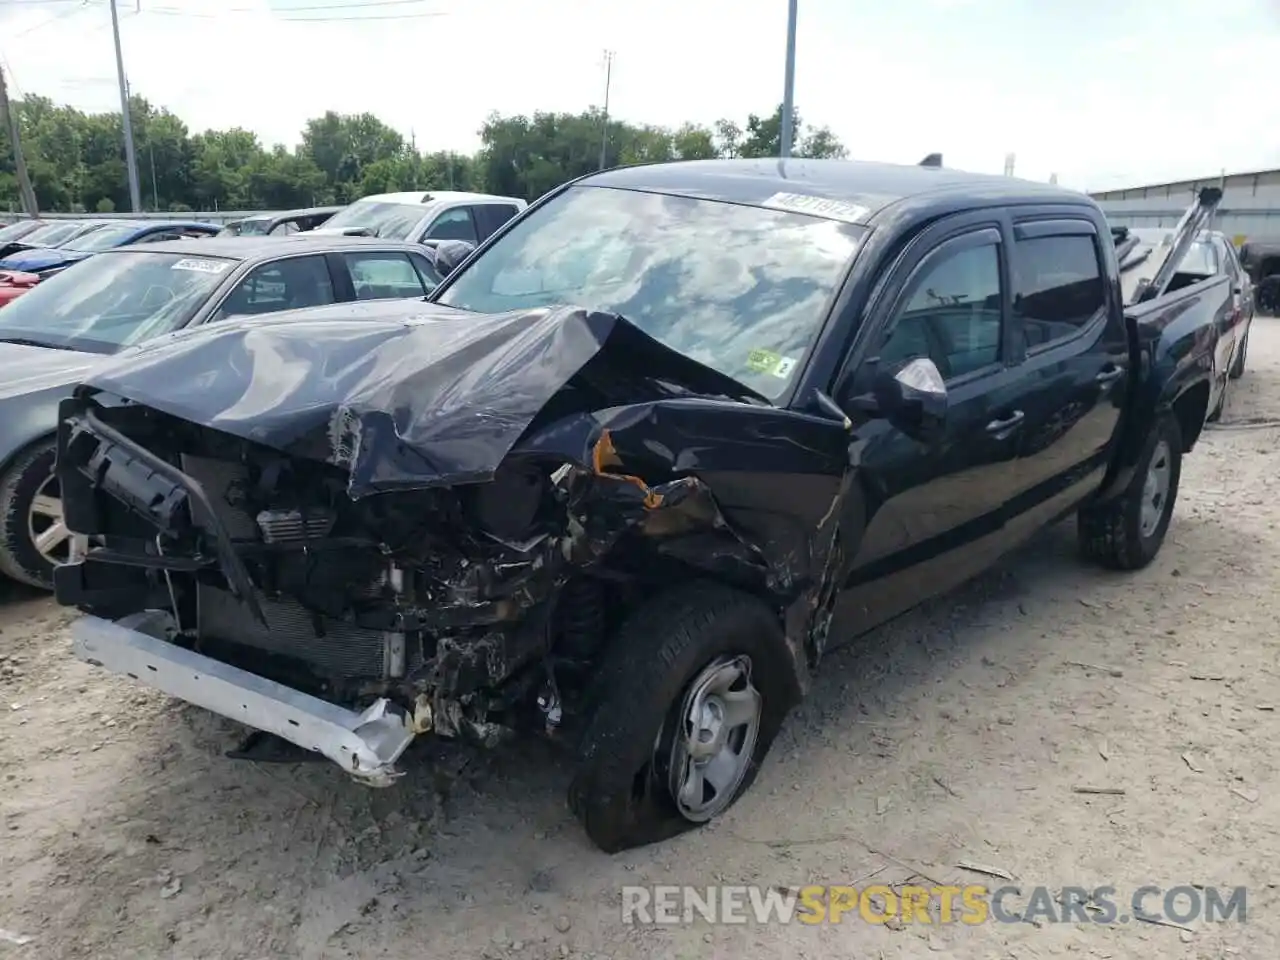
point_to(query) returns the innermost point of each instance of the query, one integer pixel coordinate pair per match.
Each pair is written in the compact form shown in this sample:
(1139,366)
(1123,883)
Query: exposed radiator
(329,647)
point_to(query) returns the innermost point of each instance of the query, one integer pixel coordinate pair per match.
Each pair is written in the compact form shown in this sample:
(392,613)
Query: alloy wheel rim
(46,525)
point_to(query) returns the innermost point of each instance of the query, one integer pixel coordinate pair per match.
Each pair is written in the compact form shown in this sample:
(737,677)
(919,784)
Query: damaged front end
(323,573)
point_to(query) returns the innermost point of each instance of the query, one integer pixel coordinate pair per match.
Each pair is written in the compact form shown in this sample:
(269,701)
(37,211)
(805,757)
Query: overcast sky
(1102,92)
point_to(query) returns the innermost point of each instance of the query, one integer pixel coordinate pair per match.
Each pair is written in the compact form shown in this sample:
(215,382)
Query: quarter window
(951,314)
(1059,287)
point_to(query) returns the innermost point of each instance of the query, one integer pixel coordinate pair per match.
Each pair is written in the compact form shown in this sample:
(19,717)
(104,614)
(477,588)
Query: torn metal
(438,510)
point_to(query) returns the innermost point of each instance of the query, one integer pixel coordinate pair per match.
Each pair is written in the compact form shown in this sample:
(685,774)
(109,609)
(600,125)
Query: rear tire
(655,695)
(1237,365)
(31,509)
(1126,533)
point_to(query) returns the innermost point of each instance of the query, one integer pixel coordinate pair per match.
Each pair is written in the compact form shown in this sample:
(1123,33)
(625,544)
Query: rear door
(455,223)
(933,514)
(490,216)
(1070,338)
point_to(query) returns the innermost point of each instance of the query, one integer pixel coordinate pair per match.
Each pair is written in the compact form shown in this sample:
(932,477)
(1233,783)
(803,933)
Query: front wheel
(686,704)
(33,536)
(1126,533)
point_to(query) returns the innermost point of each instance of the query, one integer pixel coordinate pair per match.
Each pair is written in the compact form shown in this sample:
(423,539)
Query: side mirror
(912,397)
(450,253)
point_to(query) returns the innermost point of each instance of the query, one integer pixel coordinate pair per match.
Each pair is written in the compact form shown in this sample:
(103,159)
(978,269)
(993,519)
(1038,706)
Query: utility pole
(789,82)
(131,161)
(604,123)
(10,117)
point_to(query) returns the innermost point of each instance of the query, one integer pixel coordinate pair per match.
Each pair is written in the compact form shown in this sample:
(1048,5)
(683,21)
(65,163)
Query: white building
(1250,204)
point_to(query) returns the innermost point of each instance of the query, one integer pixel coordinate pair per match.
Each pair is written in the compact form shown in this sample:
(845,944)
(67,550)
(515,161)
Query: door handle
(1110,374)
(1000,427)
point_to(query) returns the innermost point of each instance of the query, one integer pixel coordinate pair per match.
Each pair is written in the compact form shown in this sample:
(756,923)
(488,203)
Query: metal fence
(203,216)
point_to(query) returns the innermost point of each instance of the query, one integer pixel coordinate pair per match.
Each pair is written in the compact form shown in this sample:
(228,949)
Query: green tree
(77,160)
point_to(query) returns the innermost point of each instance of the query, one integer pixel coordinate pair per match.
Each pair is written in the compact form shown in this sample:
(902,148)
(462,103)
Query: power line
(83,5)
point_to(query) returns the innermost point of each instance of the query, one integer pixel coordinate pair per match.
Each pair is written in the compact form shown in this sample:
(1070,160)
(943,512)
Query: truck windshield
(392,221)
(740,289)
(112,301)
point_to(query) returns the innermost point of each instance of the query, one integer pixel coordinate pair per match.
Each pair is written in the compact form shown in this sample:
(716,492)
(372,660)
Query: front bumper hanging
(366,745)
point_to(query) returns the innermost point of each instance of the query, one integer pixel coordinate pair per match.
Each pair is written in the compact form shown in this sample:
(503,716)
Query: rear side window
(1058,286)
(429,275)
(490,216)
(384,276)
(455,224)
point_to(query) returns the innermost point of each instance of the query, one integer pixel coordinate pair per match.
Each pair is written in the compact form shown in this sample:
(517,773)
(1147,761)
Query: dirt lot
(957,734)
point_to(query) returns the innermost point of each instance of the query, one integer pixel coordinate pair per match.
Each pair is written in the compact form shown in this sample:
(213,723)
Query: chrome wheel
(712,750)
(45,525)
(1155,489)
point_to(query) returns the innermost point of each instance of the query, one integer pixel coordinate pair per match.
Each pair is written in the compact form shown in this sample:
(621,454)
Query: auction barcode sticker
(201,266)
(818,207)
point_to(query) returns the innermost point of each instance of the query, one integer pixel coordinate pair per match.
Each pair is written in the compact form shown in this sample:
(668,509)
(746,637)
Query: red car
(14,284)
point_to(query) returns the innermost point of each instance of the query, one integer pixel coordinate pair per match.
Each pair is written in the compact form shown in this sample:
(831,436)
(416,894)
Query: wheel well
(17,453)
(1190,410)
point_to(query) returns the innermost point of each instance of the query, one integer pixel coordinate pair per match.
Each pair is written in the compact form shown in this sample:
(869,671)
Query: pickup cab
(639,464)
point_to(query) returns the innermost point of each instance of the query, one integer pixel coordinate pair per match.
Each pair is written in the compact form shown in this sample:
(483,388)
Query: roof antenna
(932,160)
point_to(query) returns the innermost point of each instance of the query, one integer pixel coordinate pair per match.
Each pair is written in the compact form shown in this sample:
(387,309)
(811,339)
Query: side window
(280,285)
(384,276)
(162,235)
(1058,287)
(491,216)
(951,313)
(455,224)
(427,272)
(287,228)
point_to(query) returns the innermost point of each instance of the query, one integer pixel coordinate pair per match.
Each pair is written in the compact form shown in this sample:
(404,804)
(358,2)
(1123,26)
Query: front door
(932,513)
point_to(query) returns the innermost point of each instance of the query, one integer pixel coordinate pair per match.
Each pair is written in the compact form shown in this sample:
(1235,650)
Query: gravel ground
(959,733)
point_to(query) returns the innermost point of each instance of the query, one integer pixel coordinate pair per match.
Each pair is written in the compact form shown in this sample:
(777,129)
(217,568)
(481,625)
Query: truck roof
(431,196)
(853,183)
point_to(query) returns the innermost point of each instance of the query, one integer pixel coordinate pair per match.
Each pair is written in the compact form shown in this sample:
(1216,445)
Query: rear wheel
(33,536)
(1237,366)
(687,703)
(1126,533)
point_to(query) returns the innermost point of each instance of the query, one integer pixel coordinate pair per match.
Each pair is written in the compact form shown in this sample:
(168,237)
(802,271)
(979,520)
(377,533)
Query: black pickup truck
(785,395)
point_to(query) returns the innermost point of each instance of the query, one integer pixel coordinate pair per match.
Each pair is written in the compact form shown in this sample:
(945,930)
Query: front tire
(1126,533)
(689,698)
(33,537)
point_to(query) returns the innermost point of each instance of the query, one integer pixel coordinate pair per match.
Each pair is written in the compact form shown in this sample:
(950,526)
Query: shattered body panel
(467,474)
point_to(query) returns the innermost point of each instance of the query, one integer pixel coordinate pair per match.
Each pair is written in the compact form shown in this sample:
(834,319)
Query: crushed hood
(420,395)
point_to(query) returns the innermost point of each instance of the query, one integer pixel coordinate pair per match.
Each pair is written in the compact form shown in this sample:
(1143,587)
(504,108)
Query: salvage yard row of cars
(624,473)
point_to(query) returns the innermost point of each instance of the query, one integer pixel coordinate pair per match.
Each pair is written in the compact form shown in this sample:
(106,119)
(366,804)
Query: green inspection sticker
(763,361)
(766,361)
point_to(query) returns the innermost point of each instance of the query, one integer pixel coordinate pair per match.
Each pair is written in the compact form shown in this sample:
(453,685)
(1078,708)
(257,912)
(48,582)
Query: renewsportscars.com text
(973,904)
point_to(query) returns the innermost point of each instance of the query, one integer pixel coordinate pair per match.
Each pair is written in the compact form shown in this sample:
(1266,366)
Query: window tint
(491,216)
(426,271)
(951,314)
(383,276)
(1058,287)
(281,285)
(455,224)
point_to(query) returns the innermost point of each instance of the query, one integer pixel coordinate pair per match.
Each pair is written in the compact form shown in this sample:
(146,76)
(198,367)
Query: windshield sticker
(201,266)
(774,364)
(818,207)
